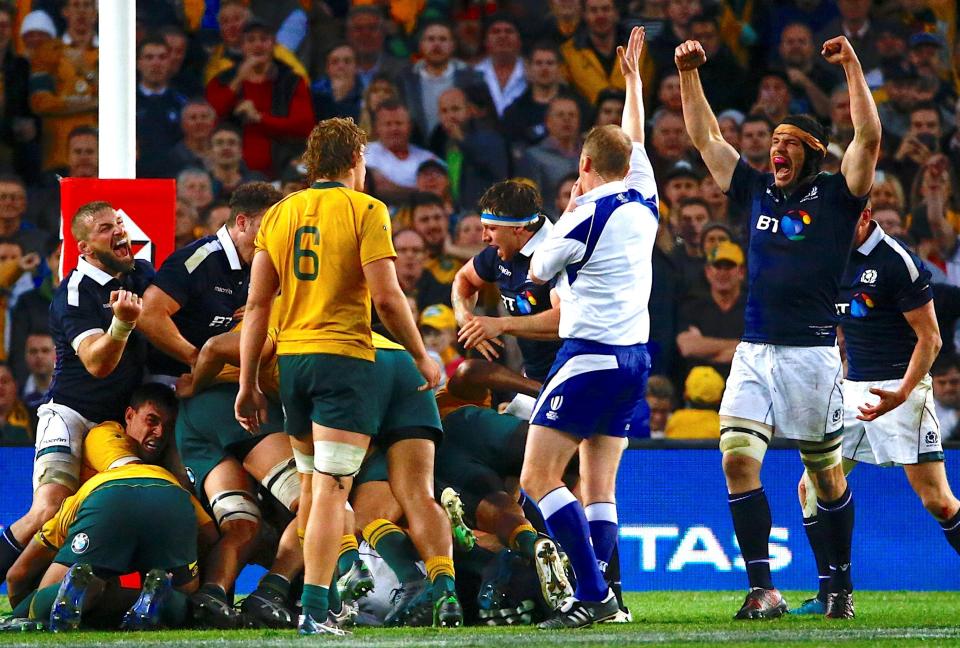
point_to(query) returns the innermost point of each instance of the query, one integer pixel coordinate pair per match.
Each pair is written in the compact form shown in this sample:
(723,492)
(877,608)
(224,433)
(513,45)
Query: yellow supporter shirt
(112,454)
(319,239)
(693,424)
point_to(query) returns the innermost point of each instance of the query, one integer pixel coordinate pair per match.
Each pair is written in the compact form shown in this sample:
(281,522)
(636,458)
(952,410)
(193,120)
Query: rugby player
(100,359)
(327,251)
(201,289)
(891,339)
(602,252)
(786,371)
(513,228)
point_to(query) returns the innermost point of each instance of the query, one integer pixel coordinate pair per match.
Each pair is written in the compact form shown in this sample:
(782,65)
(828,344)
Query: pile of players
(294,436)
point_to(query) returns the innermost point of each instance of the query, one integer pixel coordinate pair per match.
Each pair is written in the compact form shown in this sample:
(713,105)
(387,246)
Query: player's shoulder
(362,202)
(106,445)
(897,255)
(192,256)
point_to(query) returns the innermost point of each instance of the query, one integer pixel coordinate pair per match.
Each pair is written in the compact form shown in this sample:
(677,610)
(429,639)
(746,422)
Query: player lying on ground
(891,340)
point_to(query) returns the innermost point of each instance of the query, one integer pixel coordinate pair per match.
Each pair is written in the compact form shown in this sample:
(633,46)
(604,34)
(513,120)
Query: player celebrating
(100,362)
(326,251)
(892,338)
(602,252)
(785,376)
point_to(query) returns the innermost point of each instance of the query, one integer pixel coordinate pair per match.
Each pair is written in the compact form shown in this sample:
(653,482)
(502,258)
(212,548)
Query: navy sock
(751,523)
(951,529)
(818,543)
(10,550)
(568,526)
(602,517)
(837,520)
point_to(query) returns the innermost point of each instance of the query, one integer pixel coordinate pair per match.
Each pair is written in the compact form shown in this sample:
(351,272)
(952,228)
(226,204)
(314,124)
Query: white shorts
(59,447)
(909,434)
(795,390)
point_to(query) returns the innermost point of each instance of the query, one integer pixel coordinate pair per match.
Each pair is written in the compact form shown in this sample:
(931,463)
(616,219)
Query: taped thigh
(283,482)
(337,459)
(744,437)
(303,462)
(231,505)
(821,455)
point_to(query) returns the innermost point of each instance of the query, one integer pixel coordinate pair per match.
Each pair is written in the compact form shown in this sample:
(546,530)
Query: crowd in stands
(456,95)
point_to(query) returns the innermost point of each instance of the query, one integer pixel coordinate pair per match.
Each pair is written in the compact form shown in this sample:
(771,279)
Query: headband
(488,218)
(802,135)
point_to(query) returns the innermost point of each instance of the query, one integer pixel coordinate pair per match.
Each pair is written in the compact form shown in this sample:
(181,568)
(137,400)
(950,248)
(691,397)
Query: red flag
(148,208)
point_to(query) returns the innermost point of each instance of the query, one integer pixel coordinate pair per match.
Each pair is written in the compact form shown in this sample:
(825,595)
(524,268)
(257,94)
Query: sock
(349,553)
(568,526)
(394,546)
(602,517)
(43,601)
(215,591)
(10,550)
(175,609)
(522,540)
(22,611)
(751,523)
(951,529)
(837,520)
(613,575)
(315,601)
(334,603)
(276,583)
(818,543)
(441,575)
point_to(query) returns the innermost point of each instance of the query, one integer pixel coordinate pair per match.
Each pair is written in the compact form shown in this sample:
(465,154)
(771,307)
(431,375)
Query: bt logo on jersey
(792,224)
(861,304)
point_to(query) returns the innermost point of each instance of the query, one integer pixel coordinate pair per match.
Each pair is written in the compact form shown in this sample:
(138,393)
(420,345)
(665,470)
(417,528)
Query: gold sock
(440,566)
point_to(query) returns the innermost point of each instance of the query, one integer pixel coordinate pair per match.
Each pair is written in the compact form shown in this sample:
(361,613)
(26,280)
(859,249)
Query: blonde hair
(333,148)
(609,148)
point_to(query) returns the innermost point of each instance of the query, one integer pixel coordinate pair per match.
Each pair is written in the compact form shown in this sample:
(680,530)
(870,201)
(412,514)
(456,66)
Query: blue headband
(510,221)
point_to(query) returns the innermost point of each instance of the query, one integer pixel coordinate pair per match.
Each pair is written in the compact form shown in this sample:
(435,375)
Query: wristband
(120,330)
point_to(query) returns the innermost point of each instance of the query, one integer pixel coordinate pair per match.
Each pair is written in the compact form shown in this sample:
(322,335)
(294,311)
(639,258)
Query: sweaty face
(432,224)
(150,426)
(786,156)
(107,240)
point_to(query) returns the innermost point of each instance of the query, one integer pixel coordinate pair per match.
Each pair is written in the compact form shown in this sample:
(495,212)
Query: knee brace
(283,482)
(337,459)
(739,436)
(303,461)
(234,505)
(821,455)
(57,468)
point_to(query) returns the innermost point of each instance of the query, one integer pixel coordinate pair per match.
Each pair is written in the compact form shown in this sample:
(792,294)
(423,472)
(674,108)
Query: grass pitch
(672,618)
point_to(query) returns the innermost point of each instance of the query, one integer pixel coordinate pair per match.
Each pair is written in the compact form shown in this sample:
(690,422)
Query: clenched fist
(689,55)
(126,305)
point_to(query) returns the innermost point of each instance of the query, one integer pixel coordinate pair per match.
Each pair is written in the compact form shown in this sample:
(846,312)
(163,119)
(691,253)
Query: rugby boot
(447,612)
(840,605)
(68,606)
(346,617)
(21,624)
(463,537)
(762,604)
(356,583)
(211,609)
(622,616)
(580,614)
(401,600)
(145,612)
(811,606)
(266,608)
(307,625)
(554,584)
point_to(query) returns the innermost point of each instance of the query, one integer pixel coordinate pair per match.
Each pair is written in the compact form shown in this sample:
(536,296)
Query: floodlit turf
(688,618)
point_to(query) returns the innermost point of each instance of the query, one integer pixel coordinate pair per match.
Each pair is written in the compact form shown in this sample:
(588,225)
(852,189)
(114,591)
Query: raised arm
(100,352)
(721,158)
(629,57)
(860,159)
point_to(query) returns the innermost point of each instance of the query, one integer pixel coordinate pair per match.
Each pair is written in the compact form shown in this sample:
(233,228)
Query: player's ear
(586,164)
(128,414)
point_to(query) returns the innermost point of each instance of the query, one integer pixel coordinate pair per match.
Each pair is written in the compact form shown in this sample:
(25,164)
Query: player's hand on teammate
(250,409)
(838,51)
(889,400)
(184,386)
(689,55)
(126,305)
(629,57)
(481,333)
(430,371)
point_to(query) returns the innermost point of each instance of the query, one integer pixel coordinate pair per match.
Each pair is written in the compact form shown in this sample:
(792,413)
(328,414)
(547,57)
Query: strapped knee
(337,459)
(283,482)
(234,505)
(743,437)
(821,455)
(303,461)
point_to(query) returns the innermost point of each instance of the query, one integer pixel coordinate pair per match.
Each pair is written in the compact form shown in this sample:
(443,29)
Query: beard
(114,264)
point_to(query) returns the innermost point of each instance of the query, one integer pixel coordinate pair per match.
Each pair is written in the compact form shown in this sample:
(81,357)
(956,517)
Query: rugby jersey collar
(539,236)
(873,240)
(229,248)
(604,190)
(327,185)
(87,269)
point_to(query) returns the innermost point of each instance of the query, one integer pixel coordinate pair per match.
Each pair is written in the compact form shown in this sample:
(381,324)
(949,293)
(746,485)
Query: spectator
(13,207)
(186,73)
(609,108)
(660,401)
(15,279)
(562,199)
(700,418)
(432,178)
(63,84)
(422,286)
(668,92)
(339,93)
(41,357)
(723,77)
(468,30)
(469,232)
(31,314)
(265,95)
(215,216)
(432,222)
(227,169)
(559,153)
(936,213)
(918,145)
(711,326)
(43,204)
(286,17)
(730,121)
(900,84)
(677,30)
(523,119)
(680,183)
(36,30)
(669,141)
(195,188)
(366,34)
(392,161)
(158,108)
(292,180)
(841,123)
(591,54)
(690,216)
(197,120)
(502,69)
(475,153)
(438,327)
(14,420)
(773,96)
(561,23)
(19,151)
(810,81)
(187,225)
(887,192)
(755,134)
(890,221)
(924,56)
(232,19)
(854,22)
(713,235)
(435,73)
(665,295)
(379,90)
(718,201)
(946,394)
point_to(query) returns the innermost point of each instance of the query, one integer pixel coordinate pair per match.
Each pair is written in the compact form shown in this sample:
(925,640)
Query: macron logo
(812,195)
